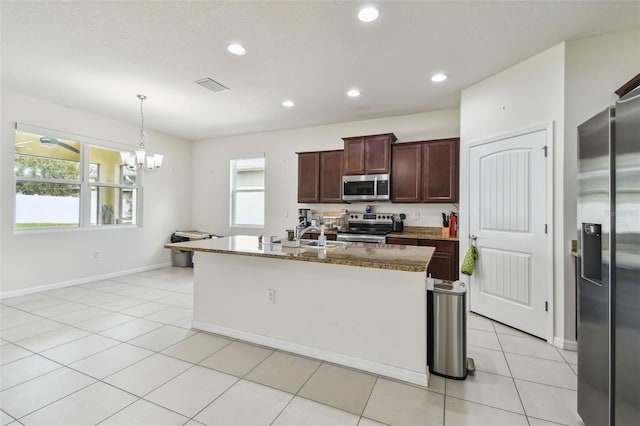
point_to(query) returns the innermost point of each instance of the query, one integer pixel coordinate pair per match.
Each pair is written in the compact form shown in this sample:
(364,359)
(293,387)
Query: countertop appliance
(367,227)
(366,188)
(609,265)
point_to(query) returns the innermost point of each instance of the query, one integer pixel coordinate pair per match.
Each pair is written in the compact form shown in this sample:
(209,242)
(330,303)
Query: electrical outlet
(286,213)
(271,295)
(96,255)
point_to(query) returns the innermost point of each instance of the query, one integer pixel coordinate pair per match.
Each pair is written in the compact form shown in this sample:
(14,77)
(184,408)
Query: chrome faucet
(310,228)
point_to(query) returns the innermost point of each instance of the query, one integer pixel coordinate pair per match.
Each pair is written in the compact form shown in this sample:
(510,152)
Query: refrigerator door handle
(592,253)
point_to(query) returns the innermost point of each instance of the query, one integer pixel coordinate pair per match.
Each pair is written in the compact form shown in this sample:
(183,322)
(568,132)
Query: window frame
(85,183)
(233,191)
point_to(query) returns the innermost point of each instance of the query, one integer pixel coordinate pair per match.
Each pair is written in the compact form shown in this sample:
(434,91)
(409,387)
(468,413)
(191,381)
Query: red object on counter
(453,226)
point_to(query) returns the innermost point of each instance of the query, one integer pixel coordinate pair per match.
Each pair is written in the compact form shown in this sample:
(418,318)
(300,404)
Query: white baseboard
(334,357)
(85,280)
(569,345)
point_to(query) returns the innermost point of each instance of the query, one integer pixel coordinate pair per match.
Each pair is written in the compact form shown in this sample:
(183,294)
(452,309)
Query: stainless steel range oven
(367,228)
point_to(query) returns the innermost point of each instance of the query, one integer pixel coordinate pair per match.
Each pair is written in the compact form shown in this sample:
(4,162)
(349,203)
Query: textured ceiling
(96,56)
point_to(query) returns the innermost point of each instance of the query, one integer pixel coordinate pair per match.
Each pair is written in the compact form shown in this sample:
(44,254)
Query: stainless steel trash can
(181,258)
(447,329)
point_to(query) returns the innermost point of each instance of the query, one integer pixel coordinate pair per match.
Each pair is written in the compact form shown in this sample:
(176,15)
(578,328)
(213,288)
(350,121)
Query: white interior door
(508,215)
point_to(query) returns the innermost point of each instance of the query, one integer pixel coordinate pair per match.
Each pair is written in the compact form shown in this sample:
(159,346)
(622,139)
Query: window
(247,192)
(62,183)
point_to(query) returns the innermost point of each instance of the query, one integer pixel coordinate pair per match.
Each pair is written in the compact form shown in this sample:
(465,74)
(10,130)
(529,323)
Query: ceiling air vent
(212,85)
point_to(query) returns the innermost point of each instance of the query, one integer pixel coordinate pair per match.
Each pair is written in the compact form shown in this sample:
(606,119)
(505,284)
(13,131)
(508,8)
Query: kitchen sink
(328,244)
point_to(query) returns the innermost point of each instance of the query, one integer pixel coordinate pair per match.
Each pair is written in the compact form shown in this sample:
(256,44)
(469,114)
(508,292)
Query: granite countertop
(382,256)
(422,233)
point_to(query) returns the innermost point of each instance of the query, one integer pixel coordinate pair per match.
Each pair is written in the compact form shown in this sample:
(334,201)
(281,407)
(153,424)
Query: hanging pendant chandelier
(139,159)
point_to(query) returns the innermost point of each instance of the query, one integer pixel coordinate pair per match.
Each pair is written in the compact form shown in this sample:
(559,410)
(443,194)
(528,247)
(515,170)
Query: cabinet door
(377,154)
(308,177)
(402,241)
(406,173)
(444,263)
(354,156)
(331,176)
(440,171)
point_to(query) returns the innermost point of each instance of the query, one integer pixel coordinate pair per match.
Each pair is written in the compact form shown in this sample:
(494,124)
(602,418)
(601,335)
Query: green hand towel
(469,260)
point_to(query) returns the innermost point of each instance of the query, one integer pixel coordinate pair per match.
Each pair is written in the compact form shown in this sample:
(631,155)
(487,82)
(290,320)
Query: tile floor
(121,352)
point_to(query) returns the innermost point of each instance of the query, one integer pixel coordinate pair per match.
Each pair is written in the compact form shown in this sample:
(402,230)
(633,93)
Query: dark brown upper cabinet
(440,171)
(425,172)
(331,176)
(368,154)
(406,173)
(320,177)
(308,177)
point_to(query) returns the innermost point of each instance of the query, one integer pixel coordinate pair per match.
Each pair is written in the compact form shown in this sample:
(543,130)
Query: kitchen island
(358,305)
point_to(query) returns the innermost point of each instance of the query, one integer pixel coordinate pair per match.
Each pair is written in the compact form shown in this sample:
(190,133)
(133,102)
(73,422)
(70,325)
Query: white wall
(567,84)
(595,67)
(528,94)
(32,259)
(211,170)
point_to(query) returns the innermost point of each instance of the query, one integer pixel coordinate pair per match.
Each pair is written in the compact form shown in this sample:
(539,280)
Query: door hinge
(544,148)
(546,306)
(546,228)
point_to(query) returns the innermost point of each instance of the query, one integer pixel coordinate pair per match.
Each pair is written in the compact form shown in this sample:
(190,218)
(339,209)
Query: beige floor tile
(79,349)
(574,367)
(478,322)
(25,369)
(529,346)
(21,318)
(368,422)
(549,402)
(52,338)
(82,315)
(162,338)
(104,322)
(86,407)
(101,299)
(488,389)
(29,330)
(122,304)
(237,358)
(63,308)
(143,413)
(6,419)
(114,359)
(34,394)
(309,413)
(144,309)
(14,301)
(231,408)
(504,329)
(154,294)
(192,390)
(10,352)
(167,316)
(489,360)
(339,387)
(8,311)
(570,356)
(544,371)
(133,291)
(184,323)
(284,371)
(465,413)
(146,375)
(197,347)
(436,383)
(130,330)
(483,339)
(396,403)
(539,422)
(40,304)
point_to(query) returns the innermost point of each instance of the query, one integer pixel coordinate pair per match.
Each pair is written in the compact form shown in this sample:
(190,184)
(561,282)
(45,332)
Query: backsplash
(417,214)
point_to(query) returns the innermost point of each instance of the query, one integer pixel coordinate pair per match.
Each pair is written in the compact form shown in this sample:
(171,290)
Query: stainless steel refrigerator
(609,265)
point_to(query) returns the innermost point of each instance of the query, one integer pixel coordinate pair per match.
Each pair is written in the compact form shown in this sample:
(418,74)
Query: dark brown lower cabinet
(444,262)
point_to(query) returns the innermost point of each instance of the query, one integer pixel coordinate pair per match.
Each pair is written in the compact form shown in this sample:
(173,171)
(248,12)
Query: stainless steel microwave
(366,188)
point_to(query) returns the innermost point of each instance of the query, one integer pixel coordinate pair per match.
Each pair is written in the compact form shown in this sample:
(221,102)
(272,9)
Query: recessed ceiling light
(437,78)
(354,93)
(368,14)
(288,103)
(237,49)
